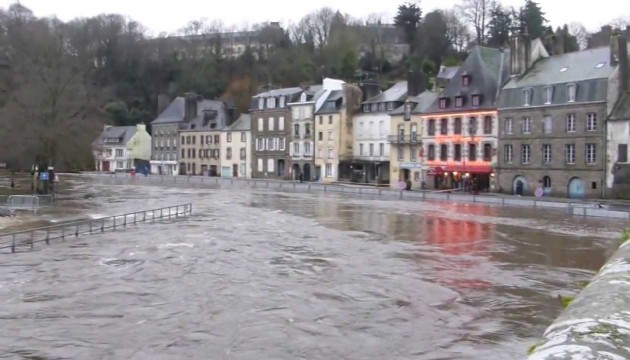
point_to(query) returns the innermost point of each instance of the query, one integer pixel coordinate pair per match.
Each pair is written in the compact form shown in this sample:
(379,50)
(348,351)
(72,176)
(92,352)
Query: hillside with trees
(61,81)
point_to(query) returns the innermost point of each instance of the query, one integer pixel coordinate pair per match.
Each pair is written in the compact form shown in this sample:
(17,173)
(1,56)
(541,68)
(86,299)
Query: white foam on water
(172,245)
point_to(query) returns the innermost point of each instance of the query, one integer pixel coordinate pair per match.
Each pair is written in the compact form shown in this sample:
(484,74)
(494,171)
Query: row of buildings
(517,120)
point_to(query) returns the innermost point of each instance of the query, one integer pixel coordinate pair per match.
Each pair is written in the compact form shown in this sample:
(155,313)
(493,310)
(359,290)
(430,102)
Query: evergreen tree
(499,26)
(532,19)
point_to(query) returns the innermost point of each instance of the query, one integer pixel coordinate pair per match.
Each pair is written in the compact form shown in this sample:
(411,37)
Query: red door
(105,166)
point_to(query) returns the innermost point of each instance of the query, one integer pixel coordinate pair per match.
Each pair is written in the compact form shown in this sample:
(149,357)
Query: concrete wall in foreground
(596,325)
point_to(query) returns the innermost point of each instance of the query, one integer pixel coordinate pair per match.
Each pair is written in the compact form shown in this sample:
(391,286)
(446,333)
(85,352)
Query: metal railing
(404,139)
(26,239)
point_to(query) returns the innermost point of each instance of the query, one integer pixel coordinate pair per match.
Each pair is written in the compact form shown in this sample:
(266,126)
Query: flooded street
(255,274)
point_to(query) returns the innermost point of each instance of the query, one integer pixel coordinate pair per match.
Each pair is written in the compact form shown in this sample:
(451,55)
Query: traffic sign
(43,176)
(539,192)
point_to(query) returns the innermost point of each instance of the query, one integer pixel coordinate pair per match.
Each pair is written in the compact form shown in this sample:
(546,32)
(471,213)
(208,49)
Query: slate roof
(332,104)
(421,103)
(398,92)
(291,94)
(448,72)
(124,133)
(174,113)
(621,110)
(243,123)
(588,69)
(489,70)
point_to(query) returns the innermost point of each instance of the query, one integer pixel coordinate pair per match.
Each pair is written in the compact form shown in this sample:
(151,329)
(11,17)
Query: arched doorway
(576,188)
(519,185)
(182,169)
(281,168)
(295,171)
(307,172)
(546,184)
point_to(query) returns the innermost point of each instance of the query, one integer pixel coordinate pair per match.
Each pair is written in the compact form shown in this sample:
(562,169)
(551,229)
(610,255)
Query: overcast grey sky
(169,16)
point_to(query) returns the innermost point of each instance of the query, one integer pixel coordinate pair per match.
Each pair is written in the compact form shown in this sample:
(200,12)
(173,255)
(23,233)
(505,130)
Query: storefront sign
(410,165)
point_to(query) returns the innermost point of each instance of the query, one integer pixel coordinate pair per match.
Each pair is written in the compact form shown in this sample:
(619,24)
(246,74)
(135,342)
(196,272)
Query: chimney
(558,45)
(190,106)
(622,59)
(162,103)
(105,127)
(416,83)
(370,89)
(141,127)
(520,54)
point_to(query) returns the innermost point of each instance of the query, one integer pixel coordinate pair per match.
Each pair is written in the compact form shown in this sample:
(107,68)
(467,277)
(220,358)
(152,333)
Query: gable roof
(420,103)
(331,104)
(488,68)
(447,72)
(621,110)
(122,133)
(398,92)
(279,92)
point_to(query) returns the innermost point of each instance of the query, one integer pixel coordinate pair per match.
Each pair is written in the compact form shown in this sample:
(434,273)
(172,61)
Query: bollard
(48,236)
(76,231)
(103,225)
(125,221)
(90,226)
(13,244)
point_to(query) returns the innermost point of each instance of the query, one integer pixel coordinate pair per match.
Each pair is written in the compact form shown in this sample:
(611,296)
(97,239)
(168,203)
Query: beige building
(406,141)
(236,150)
(200,152)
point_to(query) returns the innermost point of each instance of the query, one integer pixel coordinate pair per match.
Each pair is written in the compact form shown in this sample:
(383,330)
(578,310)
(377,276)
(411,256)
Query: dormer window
(476,100)
(366,108)
(390,106)
(459,101)
(282,101)
(271,103)
(466,80)
(261,103)
(548,95)
(527,97)
(381,107)
(374,108)
(407,112)
(571,92)
(443,103)
(303,97)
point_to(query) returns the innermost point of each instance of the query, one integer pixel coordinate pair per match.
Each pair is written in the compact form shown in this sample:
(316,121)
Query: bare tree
(476,13)
(620,22)
(456,30)
(578,31)
(317,25)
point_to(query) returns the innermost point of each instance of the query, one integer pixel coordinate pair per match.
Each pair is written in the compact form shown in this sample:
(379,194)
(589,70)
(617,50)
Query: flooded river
(265,275)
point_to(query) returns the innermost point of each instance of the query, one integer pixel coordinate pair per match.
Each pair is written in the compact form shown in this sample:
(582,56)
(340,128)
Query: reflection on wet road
(261,275)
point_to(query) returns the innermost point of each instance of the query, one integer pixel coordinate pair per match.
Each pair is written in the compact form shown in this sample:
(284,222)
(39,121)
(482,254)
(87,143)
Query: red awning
(470,168)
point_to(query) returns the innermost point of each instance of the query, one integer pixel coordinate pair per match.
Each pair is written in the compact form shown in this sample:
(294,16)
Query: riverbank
(578,208)
(596,323)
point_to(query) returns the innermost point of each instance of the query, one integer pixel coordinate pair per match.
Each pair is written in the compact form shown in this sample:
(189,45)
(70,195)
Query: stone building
(301,145)
(235,144)
(271,120)
(553,121)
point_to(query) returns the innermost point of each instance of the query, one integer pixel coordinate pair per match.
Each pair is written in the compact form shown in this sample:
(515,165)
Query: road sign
(43,176)
(539,192)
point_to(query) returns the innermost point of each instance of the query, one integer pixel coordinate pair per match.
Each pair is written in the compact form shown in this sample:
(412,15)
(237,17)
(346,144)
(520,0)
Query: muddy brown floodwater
(264,275)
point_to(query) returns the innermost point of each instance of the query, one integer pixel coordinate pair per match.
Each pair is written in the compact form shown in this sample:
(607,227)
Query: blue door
(226,172)
(576,188)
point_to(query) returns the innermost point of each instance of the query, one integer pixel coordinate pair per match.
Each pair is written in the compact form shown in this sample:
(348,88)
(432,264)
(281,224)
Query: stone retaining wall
(596,324)
(573,208)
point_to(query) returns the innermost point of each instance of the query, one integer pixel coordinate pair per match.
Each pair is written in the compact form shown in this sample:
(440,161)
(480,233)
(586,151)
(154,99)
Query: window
(228,153)
(487,125)
(330,120)
(444,126)
(546,182)
(591,122)
(401,153)
(270,165)
(472,126)
(466,80)
(259,144)
(526,125)
(120,164)
(119,153)
(271,104)
(281,123)
(622,153)
(526,154)
(547,154)
(443,103)
(229,137)
(571,92)
(296,149)
(431,152)
(457,152)
(381,148)
(217,139)
(243,136)
(548,93)
(321,120)
(371,149)
(407,112)
(360,149)
(183,154)
(414,153)
(208,139)
(260,124)
(414,132)
(283,144)
(547,124)
(331,153)
(509,126)
(261,103)
(282,101)
(472,152)
(329,170)
(527,97)
(476,100)
(243,153)
(296,113)
(457,126)
(381,128)
(320,136)
(183,140)
(459,101)
(330,135)
(570,153)
(443,152)
(508,154)
(571,123)
(591,154)
(431,130)
(307,149)
(259,164)
(366,108)
(188,139)
(271,124)
(194,139)
(487,152)
(296,130)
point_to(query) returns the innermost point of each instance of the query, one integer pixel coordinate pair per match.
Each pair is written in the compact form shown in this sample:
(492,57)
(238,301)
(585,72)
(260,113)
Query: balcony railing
(404,139)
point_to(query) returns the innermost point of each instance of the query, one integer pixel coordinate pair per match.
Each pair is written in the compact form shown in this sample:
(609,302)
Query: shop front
(464,177)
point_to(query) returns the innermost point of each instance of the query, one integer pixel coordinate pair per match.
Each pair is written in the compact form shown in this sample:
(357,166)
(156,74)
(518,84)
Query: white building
(371,129)
(236,149)
(122,148)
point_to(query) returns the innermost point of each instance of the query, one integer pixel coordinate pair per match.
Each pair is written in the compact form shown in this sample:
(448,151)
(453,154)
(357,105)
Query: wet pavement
(264,275)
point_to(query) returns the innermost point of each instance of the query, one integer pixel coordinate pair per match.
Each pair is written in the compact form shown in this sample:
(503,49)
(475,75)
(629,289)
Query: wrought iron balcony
(404,139)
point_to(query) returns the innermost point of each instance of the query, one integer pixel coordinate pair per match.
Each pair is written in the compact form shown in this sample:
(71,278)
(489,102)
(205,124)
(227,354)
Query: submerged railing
(26,239)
